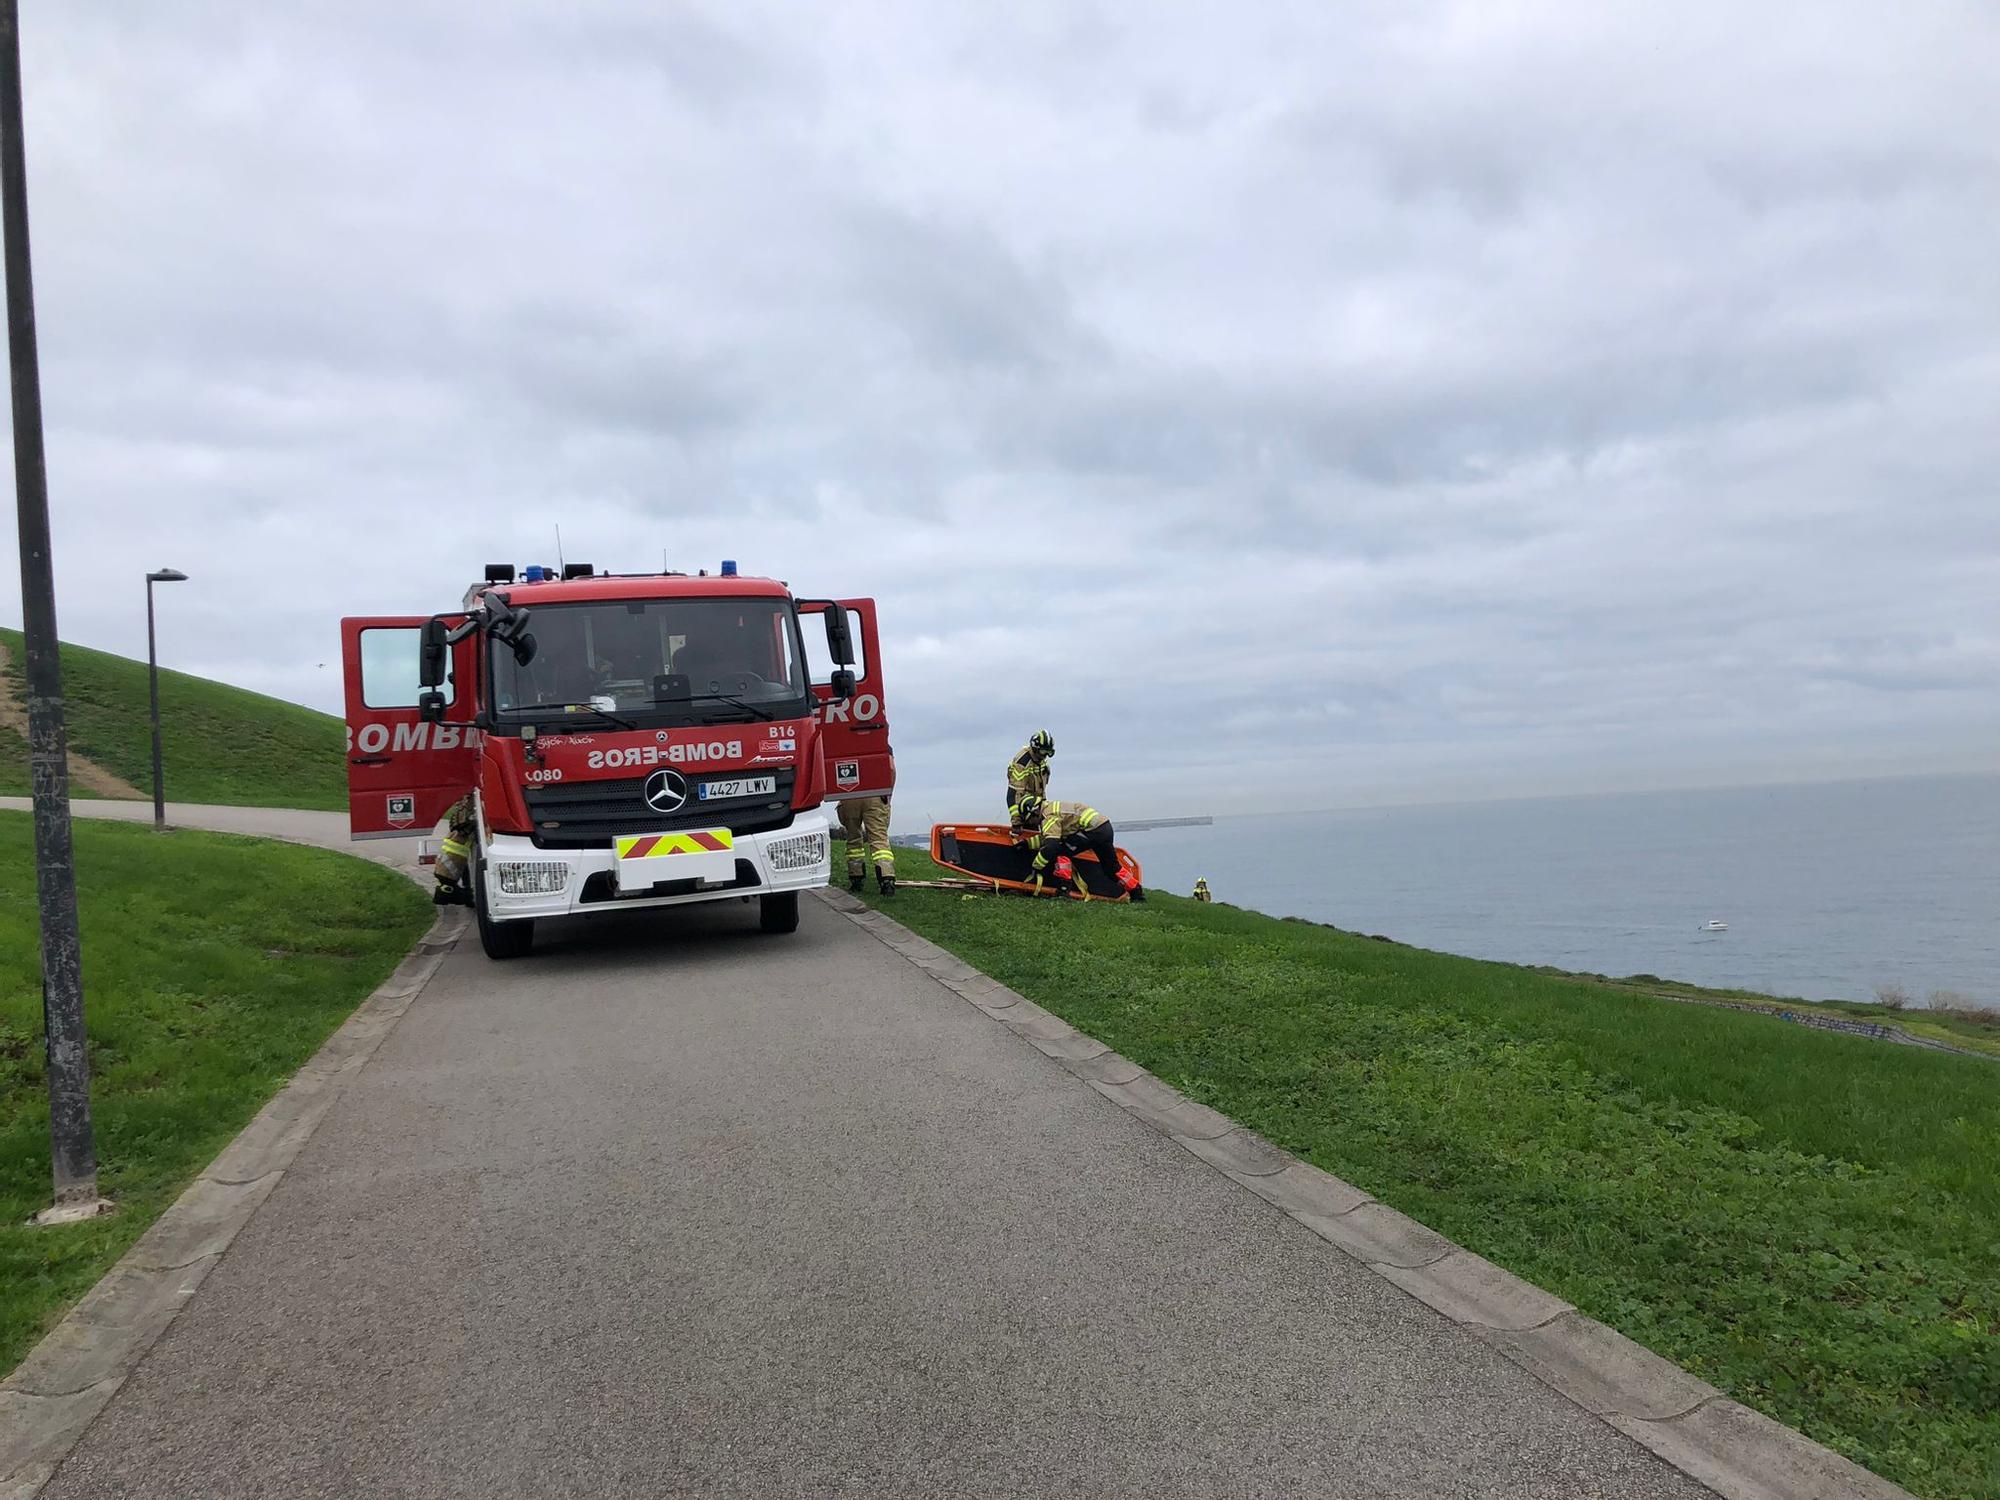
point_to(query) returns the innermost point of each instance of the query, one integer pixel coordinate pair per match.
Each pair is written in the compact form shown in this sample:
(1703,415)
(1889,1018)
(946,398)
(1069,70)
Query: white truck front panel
(523,880)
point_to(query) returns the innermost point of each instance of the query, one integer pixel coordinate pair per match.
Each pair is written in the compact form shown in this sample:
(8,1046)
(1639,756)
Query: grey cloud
(1299,407)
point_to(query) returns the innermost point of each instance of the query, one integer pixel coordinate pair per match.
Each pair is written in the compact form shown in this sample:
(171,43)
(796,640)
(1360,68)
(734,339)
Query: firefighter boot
(856,879)
(885,882)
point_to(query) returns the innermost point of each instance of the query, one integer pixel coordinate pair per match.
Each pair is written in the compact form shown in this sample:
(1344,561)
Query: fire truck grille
(589,814)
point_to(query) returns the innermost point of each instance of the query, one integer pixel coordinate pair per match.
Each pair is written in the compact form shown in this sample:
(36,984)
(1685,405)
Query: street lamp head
(167,575)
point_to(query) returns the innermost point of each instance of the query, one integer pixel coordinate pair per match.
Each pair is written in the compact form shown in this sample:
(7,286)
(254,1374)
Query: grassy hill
(13,764)
(1809,1221)
(219,743)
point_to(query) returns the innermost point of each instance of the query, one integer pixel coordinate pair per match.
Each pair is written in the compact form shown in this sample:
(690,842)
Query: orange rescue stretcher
(989,855)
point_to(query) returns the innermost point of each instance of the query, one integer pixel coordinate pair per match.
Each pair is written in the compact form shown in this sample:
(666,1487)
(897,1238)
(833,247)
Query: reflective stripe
(454,846)
(1060,819)
(1025,773)
(659,845)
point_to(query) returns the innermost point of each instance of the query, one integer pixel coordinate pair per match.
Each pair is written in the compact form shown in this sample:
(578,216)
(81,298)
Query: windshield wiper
(751,709)
(592,708)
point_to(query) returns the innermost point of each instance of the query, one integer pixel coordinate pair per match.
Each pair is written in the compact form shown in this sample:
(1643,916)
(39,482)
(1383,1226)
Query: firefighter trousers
(452,870)
(1100,841)
(864,823)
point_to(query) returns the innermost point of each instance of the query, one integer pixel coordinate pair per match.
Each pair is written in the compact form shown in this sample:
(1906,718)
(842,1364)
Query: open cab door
(854,734)
(402,771)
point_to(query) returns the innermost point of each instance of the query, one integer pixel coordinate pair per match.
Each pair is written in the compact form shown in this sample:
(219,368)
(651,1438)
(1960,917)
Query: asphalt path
(675,1208)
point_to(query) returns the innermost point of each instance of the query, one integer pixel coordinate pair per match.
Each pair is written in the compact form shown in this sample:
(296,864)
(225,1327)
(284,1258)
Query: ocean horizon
(1830,890)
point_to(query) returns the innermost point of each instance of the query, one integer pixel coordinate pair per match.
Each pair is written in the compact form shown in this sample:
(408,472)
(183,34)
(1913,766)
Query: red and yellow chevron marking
(656,845)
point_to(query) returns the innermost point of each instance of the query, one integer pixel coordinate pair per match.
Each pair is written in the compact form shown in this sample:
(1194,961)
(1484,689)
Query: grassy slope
(13,764)
(219,743)
(1973,1030)
(1810,1221)
(213,967)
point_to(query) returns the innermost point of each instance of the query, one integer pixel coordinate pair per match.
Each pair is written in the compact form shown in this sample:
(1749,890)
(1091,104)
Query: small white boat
(1713,927)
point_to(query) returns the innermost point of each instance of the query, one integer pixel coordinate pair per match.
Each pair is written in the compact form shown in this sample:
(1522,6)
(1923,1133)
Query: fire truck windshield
(656,661)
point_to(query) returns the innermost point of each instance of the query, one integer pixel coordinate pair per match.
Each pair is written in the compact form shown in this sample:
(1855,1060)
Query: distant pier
(1140,825)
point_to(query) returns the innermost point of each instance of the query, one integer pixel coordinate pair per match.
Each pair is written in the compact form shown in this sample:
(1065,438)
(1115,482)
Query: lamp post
(72,1143)
(163,575)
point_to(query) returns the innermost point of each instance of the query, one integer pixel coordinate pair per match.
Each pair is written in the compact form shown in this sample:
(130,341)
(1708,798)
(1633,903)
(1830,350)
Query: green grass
(219,743)
(1810,1221)
(1963,1026)
(213,968)
(13,764)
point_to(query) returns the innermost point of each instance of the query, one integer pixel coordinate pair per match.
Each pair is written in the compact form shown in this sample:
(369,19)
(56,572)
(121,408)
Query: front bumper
(523,880)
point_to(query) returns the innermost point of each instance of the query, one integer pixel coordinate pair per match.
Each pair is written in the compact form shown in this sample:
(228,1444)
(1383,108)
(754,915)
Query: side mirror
(430,706)
(840,640)
(430,665)
(524,649)
(843,683)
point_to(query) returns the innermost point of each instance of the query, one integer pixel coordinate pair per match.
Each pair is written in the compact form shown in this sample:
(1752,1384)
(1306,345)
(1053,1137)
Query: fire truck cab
(623,740)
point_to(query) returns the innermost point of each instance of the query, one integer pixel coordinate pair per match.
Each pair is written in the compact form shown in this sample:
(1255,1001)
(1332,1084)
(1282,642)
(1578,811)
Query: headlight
(530,877)
(801,853)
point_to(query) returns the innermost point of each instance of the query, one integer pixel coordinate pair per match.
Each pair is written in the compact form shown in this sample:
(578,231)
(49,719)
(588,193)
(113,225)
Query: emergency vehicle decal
(847,773)
(860,710)
(378,738)
(658,845)
(660,755)
(402,809)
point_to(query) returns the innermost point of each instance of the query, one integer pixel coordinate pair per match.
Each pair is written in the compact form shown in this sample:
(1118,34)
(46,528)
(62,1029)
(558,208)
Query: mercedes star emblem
(666,791)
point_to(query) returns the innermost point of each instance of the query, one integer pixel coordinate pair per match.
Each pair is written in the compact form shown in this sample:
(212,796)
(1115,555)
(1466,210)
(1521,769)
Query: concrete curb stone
(1074,1047)
(1738,1453)
(1303,1189)
(1240,1153)
(1719,1440)
(1030,1020)
(1603,1371)
(1106,1068)
(72,1374)
(1377,1235)
(1471,1290)
(1166,1109)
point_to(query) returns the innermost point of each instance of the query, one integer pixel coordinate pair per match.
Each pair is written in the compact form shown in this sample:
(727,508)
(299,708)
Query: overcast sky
(1284,405)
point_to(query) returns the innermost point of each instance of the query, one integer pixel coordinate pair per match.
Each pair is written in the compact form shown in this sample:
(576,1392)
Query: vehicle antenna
(560,562)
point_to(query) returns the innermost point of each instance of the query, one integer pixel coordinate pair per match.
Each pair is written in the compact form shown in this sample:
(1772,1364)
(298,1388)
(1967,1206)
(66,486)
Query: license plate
(736,786)
(646,859)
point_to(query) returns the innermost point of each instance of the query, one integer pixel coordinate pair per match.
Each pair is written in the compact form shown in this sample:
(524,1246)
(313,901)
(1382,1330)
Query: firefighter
(1059,831)
(865,821)
(1201,889)
(1028,772)
(453,869)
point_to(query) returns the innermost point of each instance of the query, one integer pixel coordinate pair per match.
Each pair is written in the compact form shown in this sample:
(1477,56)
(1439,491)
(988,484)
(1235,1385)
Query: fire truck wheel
(779,912)
(499,939)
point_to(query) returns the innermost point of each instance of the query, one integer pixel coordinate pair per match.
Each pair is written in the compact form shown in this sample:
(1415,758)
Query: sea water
(1829,891)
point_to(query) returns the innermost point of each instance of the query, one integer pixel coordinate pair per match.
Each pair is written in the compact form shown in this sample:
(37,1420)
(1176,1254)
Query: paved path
(675,1208)
(327,829)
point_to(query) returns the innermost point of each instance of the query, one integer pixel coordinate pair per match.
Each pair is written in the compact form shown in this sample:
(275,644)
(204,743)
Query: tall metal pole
(74,1146)
(153,682)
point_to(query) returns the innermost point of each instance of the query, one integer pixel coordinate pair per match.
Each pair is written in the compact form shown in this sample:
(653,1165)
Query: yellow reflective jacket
(1026,772)
(1059,821)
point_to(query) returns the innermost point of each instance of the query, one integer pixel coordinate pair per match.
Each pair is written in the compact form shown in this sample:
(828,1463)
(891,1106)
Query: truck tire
(500,940)
(778,912)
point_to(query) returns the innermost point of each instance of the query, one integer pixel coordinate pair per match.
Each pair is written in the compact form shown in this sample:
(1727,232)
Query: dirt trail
(85,775)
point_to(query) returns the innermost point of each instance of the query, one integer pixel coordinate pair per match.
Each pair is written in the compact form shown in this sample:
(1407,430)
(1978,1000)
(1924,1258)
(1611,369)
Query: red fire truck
(627,740)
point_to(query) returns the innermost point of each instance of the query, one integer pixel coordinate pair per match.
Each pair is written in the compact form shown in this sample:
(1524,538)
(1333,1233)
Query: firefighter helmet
(1042,743)
(1028,809)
